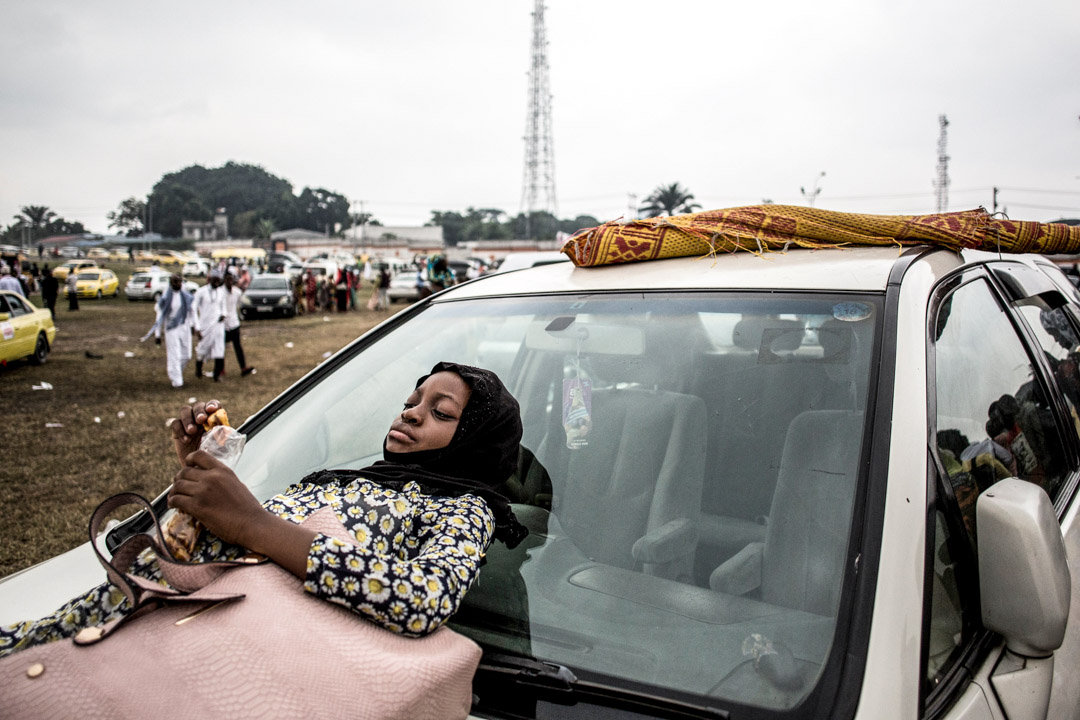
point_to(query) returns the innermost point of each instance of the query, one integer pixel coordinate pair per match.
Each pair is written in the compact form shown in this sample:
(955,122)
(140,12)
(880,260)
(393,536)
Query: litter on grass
(49,425)
(97,419)
(288,344)
(327,354)
(42,386)
(129,354)
(326,318)
(120,414)
(190,400)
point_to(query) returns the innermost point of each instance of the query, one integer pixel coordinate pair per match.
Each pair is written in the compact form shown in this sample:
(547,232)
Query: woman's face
(431,415)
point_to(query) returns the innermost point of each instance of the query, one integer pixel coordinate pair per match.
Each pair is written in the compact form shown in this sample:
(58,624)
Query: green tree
(60,226)
(452,224)
(578,223)
(323,210)
(171,203)
(36,219)
(129,217)
(670,199)
(264,228)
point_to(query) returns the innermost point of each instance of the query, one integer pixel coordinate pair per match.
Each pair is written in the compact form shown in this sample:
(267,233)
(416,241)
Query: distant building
(216,229)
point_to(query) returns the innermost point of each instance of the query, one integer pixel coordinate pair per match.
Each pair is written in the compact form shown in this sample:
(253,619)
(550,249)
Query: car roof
(855,269)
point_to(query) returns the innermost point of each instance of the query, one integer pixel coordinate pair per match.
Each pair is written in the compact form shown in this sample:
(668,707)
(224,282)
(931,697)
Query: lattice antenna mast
(941,185)
(538,184)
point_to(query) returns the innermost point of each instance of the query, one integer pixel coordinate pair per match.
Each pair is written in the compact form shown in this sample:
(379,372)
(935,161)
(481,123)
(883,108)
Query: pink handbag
(236,642)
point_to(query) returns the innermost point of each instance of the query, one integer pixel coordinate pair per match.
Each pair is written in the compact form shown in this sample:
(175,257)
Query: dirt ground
(113,411)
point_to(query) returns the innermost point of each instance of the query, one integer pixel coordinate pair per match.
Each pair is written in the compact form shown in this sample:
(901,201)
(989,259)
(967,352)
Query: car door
(20,332)
(1003,395)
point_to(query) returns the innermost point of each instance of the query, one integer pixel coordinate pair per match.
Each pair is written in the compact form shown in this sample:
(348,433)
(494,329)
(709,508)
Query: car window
(993,421)
(87,276)
(16,306)
(1060,343)
(4,304)
(676,500)
(269,283)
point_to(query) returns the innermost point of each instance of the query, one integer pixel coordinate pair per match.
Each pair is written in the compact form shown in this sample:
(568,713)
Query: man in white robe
(210,325)
(175,319)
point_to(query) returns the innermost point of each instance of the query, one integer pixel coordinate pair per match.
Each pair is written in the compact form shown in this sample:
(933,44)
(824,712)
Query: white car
(831,483)
(197,268)
(521,260)
(151,284)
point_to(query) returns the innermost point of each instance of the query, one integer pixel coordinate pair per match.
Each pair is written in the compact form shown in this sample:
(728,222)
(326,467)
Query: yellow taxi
(25,331)
(60,272)
(97,282)
(119,254)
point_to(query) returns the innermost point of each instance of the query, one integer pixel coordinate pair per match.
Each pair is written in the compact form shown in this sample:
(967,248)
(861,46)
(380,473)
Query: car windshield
(87,276)
(269,283)
(688,476)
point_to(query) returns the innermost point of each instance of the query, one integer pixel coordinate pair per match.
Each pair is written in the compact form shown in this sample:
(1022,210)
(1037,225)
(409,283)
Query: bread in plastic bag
(180,531)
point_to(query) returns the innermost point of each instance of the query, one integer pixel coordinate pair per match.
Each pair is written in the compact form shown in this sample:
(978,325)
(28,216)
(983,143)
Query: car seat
(800,563)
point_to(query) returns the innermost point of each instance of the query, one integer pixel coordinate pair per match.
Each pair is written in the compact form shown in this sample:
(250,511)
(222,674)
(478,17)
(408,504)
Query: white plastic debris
(42,386)
(327,354)
(48,425)
(129,354)
(191,400)
(288,344)
(97,419)
(326,318)
(120,414)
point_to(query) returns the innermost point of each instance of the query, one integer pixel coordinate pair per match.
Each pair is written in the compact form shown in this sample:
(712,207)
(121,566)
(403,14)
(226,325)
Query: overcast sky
(421,104)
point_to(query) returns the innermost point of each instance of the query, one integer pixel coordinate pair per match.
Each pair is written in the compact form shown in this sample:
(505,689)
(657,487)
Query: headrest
(753,331)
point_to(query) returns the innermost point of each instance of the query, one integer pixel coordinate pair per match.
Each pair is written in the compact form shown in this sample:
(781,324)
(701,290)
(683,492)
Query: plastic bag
(180,531)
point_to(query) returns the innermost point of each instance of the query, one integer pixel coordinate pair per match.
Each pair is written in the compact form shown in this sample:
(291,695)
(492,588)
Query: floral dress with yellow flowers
(412,559)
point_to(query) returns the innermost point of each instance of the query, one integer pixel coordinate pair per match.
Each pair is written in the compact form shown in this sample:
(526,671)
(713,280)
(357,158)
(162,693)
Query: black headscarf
(482,454)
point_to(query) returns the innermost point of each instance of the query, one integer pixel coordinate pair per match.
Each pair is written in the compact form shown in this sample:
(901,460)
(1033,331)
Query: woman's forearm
(284,542)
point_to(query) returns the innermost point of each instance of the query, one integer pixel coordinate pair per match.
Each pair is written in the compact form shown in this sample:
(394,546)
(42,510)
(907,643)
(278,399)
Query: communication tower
(538,185)
(941,185)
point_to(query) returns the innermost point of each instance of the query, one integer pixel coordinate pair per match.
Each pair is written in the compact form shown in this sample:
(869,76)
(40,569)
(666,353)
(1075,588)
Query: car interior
(688,472)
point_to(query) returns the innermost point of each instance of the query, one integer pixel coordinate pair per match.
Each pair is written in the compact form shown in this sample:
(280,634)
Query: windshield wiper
(562,686)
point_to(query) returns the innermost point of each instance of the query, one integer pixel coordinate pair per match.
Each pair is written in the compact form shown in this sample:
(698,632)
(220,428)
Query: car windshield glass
(269,283)
(688,476)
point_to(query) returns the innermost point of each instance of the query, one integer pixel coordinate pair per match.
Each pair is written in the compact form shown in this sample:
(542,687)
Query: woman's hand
(209,491)
(187,429)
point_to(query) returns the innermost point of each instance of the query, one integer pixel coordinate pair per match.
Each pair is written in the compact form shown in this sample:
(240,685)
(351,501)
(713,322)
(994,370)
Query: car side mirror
(1023,572)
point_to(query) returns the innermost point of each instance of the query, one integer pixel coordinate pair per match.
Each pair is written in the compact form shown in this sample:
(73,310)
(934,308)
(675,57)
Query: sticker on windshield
(851,311)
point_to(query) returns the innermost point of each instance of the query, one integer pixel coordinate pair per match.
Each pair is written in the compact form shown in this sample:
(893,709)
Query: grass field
(113,411)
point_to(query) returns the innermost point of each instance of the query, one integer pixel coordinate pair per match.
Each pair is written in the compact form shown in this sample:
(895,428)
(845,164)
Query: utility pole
(631,206)
(941,185)
(539,171)
(995,199)
(814,192)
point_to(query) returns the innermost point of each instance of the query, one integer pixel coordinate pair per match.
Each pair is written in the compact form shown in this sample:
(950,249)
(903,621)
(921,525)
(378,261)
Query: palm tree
(36,217)
(265,228)
(670,199)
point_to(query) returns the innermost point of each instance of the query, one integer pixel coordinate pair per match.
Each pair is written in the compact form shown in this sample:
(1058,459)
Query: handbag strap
(185,578)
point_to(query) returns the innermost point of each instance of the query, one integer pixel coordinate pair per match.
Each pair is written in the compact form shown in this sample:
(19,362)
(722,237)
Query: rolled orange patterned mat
(772,228)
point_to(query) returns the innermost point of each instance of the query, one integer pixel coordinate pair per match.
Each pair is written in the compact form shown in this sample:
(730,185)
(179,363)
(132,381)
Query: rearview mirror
(1023,572)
